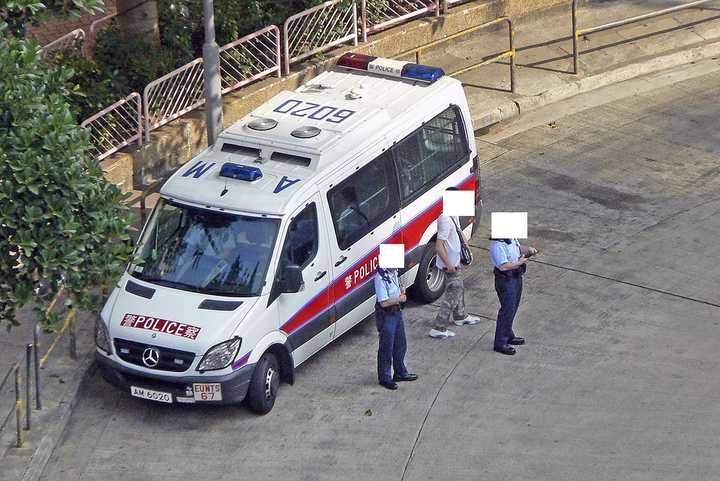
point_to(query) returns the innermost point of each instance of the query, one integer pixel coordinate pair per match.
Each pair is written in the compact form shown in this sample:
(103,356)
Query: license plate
(207,391)
(159,396)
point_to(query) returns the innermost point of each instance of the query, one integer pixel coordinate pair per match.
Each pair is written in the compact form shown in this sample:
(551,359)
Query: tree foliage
(17,14)
(61,222)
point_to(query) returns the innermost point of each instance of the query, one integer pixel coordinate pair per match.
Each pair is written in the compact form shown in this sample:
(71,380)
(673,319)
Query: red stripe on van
(410,235)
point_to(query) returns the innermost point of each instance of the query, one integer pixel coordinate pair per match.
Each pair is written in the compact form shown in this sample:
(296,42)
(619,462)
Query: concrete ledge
(513,108)
(175,143)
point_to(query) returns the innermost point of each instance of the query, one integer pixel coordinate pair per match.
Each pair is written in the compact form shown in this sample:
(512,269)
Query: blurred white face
(392,256)
(508,225)
(459,203)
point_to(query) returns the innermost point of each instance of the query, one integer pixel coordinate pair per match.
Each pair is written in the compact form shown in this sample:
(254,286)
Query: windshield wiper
(165,282)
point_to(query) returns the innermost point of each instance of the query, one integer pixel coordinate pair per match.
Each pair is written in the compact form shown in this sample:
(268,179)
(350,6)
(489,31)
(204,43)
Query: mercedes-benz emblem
(151,357)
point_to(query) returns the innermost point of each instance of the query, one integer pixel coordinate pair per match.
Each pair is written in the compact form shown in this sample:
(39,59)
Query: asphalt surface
(620,379)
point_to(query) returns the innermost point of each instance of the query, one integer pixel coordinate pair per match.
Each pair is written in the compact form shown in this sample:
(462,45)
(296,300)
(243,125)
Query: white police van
(262,249)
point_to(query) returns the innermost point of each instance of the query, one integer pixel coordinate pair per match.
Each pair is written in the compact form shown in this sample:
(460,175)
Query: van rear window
(240,150)
(290,159)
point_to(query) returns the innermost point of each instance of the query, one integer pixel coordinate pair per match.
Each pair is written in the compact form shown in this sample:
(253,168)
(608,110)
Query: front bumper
(234,385)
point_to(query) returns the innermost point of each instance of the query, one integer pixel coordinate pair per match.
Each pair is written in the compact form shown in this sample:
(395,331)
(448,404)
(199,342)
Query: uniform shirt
(387,290)
(448,233)
(501,252)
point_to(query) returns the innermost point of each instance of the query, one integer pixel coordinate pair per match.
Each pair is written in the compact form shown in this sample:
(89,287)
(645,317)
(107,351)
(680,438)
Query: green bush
(61,221)
(97,88)
(134,62)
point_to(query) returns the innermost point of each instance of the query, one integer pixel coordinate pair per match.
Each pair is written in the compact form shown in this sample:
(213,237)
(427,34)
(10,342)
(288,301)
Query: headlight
(102,336)
(220,356)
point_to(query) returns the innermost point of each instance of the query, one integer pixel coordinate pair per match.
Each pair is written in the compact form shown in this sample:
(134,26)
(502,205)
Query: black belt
(517,272)
(393,308)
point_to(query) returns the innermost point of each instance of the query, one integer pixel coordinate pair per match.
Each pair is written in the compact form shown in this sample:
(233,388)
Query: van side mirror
(291,279)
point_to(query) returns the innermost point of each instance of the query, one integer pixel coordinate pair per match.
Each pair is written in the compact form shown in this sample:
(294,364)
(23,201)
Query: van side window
(364,200)
(301,242)
(431,151)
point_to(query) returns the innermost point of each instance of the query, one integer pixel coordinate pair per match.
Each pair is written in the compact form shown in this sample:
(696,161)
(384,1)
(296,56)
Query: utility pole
(213,86)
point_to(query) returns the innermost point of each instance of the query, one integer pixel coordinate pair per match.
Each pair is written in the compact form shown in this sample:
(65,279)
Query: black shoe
(389,385)
(407,377)
(517,341)
(505,350)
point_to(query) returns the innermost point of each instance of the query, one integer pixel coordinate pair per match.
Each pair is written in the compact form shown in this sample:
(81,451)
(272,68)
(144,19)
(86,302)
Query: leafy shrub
(134,62)
(96,88)
(60,218)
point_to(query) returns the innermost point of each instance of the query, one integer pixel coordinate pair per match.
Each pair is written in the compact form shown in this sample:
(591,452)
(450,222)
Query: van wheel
(430,281)
(264,384)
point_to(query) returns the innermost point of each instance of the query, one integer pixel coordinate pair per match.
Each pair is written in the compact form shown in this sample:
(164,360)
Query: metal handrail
(511,53)
(395,12)
(250,58)
(618,23)
(173,94)
(116,126)
(94,29)
(451,3)
(303,35)
(74,39)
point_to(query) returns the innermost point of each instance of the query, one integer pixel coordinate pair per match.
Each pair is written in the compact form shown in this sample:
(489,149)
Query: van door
(364,212)
(306,316)
(431,159)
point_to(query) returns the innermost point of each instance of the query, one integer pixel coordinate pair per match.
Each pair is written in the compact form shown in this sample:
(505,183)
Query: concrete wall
(177,142)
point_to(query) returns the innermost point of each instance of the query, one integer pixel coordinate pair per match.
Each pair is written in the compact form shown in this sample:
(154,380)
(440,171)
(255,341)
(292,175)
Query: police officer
(510,262)
(390,326)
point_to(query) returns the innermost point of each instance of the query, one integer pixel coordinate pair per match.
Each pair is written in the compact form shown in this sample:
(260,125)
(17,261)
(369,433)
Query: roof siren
(261,124)
(306,132)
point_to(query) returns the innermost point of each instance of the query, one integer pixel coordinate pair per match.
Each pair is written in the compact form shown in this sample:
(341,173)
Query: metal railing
(380,15)
(508,54)
(260,54)
(22,402)
(70,41)
(95,28)
(250,58)
(319,29)
(578,32)
(116,126)
(451,3)
(173,95)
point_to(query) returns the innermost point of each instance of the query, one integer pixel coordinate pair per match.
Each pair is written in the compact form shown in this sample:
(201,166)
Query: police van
(262,249)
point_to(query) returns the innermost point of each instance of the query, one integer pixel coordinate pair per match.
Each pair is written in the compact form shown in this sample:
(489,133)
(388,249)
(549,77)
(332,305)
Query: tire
(264,384)
(430,282)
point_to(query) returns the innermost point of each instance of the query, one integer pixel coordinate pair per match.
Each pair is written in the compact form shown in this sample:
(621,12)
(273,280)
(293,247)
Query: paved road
(620,379)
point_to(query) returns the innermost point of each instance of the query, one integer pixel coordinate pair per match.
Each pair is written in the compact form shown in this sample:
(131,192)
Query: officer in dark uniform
(509,259)
(390,326)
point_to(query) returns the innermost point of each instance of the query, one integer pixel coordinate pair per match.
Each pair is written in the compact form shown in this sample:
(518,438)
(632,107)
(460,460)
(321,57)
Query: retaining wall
(175,143)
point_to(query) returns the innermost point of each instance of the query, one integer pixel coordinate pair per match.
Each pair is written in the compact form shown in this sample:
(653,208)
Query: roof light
(262,124)
(305,132)
(390,68)
(240,172)
(357,61)
(422,72)
(386,66)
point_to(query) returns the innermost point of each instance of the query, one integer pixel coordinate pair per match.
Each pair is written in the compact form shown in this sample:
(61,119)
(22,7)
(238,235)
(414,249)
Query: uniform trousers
(392,346)
(509,291)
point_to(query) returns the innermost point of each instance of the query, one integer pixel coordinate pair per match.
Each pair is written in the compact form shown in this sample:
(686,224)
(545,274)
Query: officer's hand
(451,268)
(403,298)
(522,260)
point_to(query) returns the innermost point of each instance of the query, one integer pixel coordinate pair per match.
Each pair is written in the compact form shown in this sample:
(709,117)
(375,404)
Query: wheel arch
(276,342)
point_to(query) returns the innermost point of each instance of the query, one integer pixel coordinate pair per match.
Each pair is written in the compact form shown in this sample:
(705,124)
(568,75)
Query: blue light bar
(240,172)
(423,73)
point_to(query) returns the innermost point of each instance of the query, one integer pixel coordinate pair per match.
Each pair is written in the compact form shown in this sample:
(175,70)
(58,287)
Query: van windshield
(205,251)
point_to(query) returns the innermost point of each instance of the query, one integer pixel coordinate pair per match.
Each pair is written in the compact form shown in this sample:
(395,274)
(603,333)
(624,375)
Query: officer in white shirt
(448,248)
(509,259)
